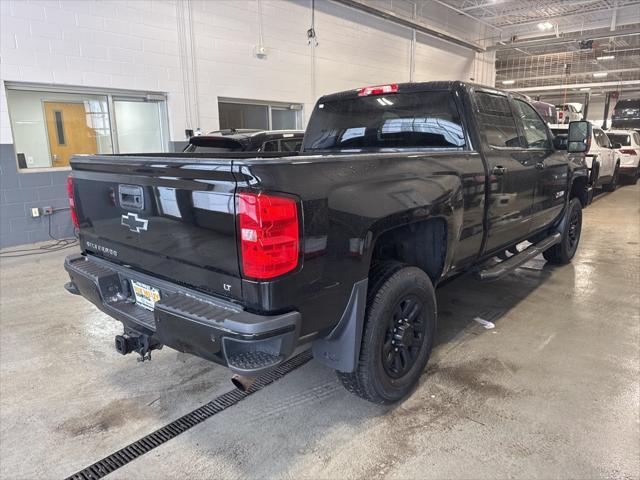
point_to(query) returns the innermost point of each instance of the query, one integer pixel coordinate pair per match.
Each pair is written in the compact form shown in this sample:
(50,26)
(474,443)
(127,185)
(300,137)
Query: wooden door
(69,131)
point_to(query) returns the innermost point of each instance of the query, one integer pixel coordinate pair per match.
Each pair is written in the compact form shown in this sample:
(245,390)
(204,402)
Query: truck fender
(340,349)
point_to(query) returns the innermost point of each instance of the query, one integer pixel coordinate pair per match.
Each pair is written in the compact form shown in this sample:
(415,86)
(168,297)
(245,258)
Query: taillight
(378,90)
(627,151)
(269,235)
(72,202)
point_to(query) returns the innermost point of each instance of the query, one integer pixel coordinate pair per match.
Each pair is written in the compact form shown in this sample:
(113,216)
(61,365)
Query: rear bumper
(187,320)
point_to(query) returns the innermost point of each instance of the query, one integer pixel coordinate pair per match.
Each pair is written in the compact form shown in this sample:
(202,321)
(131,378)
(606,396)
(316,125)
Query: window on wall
(259,115)
(50,126)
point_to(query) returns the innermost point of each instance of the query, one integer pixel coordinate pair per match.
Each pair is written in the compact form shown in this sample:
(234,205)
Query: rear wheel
(563,252)
(613,184)
(398,334)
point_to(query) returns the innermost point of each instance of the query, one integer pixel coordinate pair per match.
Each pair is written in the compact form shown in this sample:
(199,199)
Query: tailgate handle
(131,197)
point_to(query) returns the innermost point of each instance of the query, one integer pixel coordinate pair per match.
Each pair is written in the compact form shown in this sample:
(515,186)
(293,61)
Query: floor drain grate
(162,435)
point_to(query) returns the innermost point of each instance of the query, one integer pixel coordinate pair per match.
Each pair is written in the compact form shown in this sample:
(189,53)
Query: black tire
(563,252)
(398,334)
(613,183)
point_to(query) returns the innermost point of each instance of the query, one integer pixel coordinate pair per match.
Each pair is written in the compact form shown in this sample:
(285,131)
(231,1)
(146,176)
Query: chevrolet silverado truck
(247,258)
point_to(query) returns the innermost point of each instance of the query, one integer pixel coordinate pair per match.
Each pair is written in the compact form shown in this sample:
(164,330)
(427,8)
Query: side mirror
(616,145)
(579,139)
(560,142)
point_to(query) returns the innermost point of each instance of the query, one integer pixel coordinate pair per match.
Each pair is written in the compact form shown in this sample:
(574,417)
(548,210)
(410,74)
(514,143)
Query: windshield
(621,138)
(393,121)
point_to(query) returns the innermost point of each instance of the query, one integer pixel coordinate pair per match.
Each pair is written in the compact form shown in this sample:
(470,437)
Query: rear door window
(496,119)
(534,128)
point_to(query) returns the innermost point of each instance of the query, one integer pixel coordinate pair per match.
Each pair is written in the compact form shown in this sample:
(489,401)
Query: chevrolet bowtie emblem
(134,223)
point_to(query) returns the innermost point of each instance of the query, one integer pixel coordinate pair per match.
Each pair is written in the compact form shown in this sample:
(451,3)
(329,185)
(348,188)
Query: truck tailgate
(171,217)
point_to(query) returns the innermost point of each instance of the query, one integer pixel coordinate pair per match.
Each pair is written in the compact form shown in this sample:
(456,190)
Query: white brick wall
(134,45)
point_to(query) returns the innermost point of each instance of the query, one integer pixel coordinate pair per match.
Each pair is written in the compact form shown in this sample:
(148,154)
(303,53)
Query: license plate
(146,296)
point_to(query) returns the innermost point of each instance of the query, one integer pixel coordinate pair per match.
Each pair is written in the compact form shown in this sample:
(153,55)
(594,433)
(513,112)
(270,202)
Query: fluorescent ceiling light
(585,89)
(508,82)
(600,74)
(606,57)
(545,25)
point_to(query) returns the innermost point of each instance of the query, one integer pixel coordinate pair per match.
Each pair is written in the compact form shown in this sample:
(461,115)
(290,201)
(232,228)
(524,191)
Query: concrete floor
(551,391)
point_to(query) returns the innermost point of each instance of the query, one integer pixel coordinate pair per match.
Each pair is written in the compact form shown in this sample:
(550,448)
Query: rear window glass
(622,139)
(393,121)
(497,120)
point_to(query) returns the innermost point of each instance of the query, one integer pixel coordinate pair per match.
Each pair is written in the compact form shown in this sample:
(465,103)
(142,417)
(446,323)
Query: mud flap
(340,349)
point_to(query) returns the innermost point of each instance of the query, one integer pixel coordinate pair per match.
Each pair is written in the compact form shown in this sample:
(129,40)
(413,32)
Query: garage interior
(534,375)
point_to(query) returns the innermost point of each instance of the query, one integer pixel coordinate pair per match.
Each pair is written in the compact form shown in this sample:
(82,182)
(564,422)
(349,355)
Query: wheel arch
(423,244)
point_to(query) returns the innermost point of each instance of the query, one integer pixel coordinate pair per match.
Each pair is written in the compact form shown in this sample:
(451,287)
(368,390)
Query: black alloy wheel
(404,337)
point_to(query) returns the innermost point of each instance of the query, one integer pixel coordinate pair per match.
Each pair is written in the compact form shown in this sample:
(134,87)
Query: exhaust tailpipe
(242,383)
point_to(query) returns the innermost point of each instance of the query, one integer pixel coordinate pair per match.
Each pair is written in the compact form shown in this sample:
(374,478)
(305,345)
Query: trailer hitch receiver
(136,342)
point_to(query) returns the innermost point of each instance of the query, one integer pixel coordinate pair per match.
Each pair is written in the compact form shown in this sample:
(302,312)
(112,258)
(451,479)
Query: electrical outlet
(47,210)
(35,212)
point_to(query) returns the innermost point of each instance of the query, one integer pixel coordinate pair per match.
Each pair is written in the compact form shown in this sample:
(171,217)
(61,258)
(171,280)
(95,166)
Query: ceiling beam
(477,19)
(613,73)
(418,27)
(556,41)
(564,16)
(550,88)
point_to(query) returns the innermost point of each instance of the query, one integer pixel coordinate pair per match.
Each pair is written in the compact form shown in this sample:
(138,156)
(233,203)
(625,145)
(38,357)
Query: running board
(524,256)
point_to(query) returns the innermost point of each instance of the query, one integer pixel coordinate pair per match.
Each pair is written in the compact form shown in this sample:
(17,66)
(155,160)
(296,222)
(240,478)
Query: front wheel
(563,252)
(398,334)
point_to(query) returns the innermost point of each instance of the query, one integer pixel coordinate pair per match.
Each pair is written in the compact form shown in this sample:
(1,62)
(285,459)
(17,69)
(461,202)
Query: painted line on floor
(138,448)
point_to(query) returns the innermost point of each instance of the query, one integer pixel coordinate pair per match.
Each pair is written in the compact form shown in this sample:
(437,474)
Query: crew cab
(246,140)
(627,148)
(245,258)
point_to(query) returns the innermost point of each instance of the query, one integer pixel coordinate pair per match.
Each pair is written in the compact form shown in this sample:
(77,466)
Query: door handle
(540,165)
(499,170)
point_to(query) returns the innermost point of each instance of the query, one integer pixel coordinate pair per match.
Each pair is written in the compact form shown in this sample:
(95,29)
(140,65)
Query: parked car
(233,140)
(626,114)
(568,112)
(244,260)
(547,111)
(601,159)
(627,143)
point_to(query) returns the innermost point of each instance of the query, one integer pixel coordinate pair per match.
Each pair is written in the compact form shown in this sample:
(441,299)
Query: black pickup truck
(245,258)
